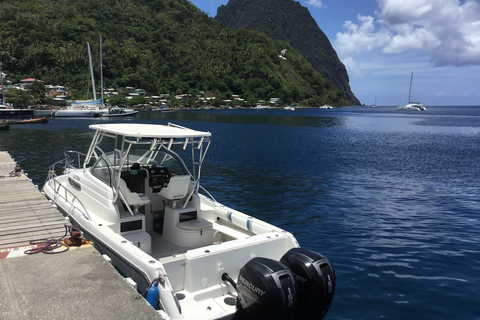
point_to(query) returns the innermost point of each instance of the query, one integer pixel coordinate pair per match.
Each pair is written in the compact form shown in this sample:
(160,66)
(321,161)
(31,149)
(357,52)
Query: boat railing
(71,160)
(208,193)
(61,192)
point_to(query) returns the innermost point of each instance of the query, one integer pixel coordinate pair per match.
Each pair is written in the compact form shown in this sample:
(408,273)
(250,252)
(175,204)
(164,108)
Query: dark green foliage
(162,46)
(289,21)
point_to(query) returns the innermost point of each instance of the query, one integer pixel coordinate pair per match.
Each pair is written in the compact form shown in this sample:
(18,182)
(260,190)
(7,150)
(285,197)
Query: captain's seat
(176,189)
(130,198)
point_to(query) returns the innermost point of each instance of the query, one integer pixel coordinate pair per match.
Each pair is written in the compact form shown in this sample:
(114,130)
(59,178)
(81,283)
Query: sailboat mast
(101,69)
(91,71)
(3,91)
(410,90)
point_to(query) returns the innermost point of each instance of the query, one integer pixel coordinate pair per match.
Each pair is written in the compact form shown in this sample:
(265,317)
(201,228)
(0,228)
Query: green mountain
(289,21)
(162,46)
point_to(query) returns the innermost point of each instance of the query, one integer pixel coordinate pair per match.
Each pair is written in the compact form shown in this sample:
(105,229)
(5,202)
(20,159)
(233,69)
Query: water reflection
(255,117)
(391,199)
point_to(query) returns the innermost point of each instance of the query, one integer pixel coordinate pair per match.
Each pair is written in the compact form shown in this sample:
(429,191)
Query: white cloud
(447,30)
(361,37)
(315,3)
(354,69)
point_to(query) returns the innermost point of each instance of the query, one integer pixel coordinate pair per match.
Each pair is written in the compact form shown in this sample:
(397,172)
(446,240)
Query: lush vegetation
(162,46)
(289,21)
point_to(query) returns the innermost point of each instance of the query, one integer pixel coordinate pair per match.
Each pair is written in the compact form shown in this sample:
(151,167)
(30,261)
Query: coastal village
(58,96)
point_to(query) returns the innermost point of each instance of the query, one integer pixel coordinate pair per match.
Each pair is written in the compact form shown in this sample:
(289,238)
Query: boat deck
(25,214)
(162,248)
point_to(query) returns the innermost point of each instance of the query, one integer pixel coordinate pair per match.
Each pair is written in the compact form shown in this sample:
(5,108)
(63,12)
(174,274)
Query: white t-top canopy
(140,130)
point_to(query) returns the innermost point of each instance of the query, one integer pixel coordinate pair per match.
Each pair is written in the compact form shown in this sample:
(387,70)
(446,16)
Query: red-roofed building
(26,82)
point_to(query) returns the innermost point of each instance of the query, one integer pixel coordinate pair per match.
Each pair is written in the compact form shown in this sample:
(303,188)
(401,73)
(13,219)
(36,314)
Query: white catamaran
(411,105)
(138,196)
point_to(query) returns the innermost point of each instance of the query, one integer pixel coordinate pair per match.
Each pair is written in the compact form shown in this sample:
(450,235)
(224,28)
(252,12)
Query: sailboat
(374,105)
(85,108)
(411,106)
(95,107)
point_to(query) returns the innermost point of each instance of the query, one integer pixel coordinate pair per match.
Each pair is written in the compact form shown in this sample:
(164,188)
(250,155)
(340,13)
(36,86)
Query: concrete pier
(76,284)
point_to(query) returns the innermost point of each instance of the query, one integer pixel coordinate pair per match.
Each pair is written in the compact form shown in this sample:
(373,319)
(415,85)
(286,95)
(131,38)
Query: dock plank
(25,214)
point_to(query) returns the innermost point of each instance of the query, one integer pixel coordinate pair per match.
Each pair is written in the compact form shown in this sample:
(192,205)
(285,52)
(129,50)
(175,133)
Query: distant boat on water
(117,111)
(25,121)
(92,108)
(411,105)
(6,112)
(95,107)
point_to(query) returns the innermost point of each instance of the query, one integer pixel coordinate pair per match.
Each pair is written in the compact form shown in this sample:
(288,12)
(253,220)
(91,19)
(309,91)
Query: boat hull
(15,113)
(193,274)
(127,113)
(143,208)
(78,113)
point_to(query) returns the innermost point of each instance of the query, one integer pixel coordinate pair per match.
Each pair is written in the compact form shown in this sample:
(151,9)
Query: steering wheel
(159,177)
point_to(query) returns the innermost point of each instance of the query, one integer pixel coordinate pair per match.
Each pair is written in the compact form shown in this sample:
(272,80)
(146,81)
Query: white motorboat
(138,197)
(411,105)
(117,111)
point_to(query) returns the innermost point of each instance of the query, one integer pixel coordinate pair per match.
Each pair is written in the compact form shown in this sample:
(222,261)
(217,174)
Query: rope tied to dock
(16,172)
(49,245)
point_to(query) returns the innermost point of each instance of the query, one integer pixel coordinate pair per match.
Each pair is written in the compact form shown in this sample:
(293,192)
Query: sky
(381,42)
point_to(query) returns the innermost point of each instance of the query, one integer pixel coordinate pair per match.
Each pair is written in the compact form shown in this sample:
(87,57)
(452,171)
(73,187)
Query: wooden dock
(25,214)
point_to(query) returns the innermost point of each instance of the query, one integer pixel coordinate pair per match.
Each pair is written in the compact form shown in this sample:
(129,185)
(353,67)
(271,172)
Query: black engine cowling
(266,290)
(315,282)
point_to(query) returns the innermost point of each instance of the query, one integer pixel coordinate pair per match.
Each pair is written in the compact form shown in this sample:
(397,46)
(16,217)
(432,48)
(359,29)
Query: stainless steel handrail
(57,187)
(60,191)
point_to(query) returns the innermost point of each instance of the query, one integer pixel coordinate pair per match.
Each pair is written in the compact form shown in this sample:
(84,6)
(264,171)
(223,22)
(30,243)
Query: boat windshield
(163,158)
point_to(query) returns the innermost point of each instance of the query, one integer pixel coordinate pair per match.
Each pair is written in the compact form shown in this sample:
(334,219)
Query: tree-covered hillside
(162,46)
(289,21)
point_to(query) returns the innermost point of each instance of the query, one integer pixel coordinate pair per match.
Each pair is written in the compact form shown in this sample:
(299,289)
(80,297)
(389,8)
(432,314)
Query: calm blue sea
(391,198)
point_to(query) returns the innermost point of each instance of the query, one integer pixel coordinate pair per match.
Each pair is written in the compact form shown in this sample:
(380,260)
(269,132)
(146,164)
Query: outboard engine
(266,290)
(315,282)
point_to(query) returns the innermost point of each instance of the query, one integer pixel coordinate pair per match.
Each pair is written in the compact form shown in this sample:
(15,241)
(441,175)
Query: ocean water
(391,198)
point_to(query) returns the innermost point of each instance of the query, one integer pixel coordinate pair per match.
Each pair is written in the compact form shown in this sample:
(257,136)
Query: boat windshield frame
(124,145)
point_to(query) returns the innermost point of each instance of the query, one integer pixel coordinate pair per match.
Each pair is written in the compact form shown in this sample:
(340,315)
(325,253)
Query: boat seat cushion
(177,188)
(195,225)
(132,198)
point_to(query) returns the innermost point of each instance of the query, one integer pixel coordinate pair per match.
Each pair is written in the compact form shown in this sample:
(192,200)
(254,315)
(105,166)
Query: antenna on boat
(91,71)
(410,90)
